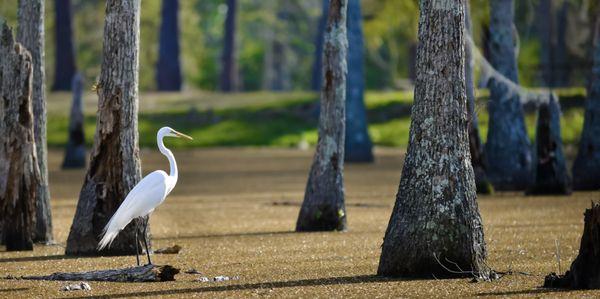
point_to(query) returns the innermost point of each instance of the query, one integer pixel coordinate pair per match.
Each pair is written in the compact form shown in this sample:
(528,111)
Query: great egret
(148,194)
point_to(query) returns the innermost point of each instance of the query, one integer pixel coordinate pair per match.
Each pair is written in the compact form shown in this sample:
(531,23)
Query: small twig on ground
(557,244)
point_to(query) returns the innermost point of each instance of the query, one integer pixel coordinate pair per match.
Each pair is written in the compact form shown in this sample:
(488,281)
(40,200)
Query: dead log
(147,273)
(75,152)
(19,172)
(550,174)
(585,269)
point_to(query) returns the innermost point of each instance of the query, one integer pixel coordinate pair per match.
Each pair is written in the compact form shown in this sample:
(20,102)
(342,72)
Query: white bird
(148,194)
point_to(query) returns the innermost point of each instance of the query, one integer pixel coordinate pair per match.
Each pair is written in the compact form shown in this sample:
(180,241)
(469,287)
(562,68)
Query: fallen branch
(148,273)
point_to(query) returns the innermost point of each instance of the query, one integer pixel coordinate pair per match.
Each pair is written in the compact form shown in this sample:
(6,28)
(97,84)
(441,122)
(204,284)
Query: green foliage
(292,121)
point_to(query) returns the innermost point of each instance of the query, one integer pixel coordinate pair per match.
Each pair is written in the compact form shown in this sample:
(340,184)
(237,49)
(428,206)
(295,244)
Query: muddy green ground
(234,212)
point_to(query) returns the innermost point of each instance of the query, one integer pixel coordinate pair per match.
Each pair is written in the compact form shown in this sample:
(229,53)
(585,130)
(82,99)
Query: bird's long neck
(167,152)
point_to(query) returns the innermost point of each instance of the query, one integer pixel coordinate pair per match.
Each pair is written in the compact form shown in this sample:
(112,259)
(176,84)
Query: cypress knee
(19,172)
(323,208)
(549,166)
(75,152)
(435,223)
(114,166)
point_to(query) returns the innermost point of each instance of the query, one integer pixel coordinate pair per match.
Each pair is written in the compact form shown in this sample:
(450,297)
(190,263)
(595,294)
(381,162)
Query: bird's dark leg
(146,239)
(137,250)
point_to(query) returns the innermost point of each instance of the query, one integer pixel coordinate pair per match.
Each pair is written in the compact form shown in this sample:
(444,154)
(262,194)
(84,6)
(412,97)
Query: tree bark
(358,146)
(168,71)
(435,220)
(507,150)
(229,72)
(475,148)
(114,162)
(147,273)
(323,208)
(19,173)
(551,28)
(549,168)
(75,151)
(64,49)
(586,169)
(585,269)
(31,35)
(317,70)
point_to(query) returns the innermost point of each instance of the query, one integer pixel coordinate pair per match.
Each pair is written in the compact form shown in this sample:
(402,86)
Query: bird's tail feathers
(109,233)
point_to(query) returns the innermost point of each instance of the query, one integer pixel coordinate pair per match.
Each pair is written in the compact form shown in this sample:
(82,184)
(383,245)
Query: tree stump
(75,152)
(19,172)
(549,168)
(585,269)
(323,208)
(147,273)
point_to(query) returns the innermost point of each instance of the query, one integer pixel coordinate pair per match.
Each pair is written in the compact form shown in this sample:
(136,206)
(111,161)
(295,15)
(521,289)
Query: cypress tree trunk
(317,70)
(75,152)
(19,173)
(586,169)
(229,75)
(549,169)
(323,208)
(31,35)
(358,146)
(168,72)
(114,161)
(507,150)
(64,50)
(436,219)
(475,147)
(551,27)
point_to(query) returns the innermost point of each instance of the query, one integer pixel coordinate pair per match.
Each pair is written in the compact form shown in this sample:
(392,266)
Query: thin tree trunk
(114,162)
(358,146)
(586,169)
(229,72)
(168,72)
(19,173)
(64,49)
(475,147)
(323,208)
(317,69)
(436,220)
(550,174)
(75,151)
(507,149)
(31,35)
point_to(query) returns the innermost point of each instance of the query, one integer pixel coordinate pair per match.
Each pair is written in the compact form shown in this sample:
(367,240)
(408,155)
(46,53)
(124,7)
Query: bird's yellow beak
(182,135)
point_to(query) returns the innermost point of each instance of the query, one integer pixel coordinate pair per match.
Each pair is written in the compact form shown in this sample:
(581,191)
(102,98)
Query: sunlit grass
(262,120)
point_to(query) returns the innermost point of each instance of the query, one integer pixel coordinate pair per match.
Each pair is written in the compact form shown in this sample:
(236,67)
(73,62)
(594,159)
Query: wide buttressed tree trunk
(64,49)
(75,151)
(475,147)
(550,174)
(507,149)
(435,220)
(586,169)
(31,35)
(323,208)
(19,173)
(168,71)
(358,146)
(114,161)
(229,74)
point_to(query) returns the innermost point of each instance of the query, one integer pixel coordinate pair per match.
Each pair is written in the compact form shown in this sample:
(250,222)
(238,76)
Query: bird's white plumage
(149,193)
